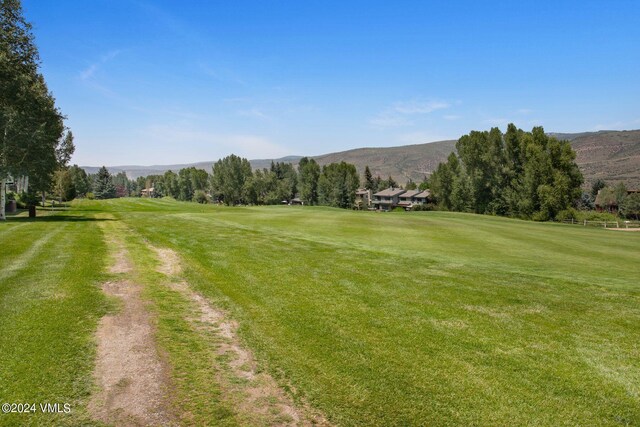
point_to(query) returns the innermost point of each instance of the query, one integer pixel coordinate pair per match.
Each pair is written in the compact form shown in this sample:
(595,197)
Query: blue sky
(158,82)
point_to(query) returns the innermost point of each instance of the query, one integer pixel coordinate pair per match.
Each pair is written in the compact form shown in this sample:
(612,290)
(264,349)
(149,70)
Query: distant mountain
(610,155)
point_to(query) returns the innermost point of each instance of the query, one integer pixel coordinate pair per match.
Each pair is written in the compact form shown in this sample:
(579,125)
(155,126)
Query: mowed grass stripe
(50,311)
(14,260)
(375,337)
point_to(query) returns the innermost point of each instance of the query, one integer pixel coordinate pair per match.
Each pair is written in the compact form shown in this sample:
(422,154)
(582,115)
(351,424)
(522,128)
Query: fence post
(585,222)
(617,224)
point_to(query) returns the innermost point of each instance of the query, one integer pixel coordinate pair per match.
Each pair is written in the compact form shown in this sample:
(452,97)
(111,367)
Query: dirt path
(257,396)
(129,373)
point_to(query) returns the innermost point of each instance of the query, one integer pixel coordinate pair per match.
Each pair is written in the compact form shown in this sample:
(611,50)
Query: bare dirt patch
(256,395)
(132,380)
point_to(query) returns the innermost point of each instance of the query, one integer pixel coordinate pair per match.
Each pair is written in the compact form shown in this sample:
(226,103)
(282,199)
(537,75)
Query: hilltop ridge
(609,155)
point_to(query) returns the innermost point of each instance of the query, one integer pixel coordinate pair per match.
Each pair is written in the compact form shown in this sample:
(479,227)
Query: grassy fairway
(435,318)
(49,305)
(374,319)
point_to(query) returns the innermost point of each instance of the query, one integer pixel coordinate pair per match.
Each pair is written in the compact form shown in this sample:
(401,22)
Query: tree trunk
(3,188)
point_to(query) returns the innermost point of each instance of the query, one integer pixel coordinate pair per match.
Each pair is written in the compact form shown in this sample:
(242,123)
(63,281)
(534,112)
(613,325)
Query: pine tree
(369,184)
(103,187)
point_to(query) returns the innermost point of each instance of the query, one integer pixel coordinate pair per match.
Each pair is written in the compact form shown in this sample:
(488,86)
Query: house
(296,201)
(607,201)
(406,199)
(363,199)
(387,199)
(422,198)
(147,192)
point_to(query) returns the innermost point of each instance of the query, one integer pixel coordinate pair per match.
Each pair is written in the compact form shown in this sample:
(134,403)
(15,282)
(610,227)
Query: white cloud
(451,117)
(524,111)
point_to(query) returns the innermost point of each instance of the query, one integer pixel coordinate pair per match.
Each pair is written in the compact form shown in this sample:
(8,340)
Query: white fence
(604,224)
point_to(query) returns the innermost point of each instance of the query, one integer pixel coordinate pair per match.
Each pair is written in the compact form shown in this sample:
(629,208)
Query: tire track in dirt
(133,382)
(261,397)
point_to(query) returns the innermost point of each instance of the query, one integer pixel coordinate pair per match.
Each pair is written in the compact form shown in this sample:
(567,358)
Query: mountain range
(610,155)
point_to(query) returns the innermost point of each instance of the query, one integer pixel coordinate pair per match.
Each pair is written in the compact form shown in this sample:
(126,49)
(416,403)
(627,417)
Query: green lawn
(50,303)
(374,319)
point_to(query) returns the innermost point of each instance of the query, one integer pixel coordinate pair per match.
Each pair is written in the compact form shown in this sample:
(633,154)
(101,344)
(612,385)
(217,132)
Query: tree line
(232,182)
(520,174)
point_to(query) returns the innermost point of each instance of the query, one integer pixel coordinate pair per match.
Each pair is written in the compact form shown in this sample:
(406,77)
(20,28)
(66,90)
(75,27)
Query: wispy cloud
(524,111)
(91,70)
(221,74)
(402,113)
(254,113)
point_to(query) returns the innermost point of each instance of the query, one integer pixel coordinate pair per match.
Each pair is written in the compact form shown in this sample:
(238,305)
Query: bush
(425,207)
(90,196)
(598,216)
(540,216)
(200,197)
(570,213)
(25,200)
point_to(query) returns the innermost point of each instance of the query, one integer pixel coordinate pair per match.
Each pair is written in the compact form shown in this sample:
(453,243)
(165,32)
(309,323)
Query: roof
(360,191)
(389,192)
(424,195)
(409,194)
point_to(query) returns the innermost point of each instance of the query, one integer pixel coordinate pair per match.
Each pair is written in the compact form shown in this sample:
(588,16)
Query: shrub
(91,196)
(570,213)
(200,197)
(425,207)
(598,216)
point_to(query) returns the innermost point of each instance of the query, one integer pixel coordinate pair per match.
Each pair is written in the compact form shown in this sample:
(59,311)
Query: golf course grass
(425,318)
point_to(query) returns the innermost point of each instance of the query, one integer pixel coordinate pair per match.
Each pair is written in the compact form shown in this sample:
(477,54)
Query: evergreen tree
(80,180)
(598,185)
(369,184)
(103,186)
